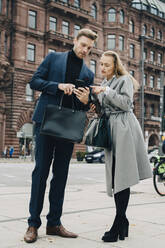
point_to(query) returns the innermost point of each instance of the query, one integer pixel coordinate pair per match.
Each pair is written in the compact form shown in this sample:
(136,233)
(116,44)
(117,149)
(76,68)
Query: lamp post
(142,37)
(162,110)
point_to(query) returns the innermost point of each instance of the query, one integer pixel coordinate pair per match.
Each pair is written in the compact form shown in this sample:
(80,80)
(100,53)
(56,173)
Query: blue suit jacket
(49,74)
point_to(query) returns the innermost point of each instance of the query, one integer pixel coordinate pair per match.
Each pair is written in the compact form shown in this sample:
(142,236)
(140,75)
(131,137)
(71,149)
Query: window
(132,51)
(145,79)
(137,5)
(7,8)
(65,27)
(121,16)
(145,54)
(132,73)
(160,35)
(158,82)
(161,14)
(111,41)
(50,50)
(64,1)
(93,66)
(31,52)
(52,23)
(111,15)
(32,19)
(152,81)
(121,43)
(94,11)
(160,58)
(154,10)
(5,44)
(152,56)
(152,110)
(131,26)
(76,29)
(144,31)
(77,3)
(152,32)
(29,93)
(0,6)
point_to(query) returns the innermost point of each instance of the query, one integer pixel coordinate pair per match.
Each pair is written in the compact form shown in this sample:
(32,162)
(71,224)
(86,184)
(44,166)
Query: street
(87,211)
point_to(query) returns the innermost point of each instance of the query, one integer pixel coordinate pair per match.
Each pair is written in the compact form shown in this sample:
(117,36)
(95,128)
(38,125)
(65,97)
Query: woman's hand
(93,107)
(82,94)
(98,89)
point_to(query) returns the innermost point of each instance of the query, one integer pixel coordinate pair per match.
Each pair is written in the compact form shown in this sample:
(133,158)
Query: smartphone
(81,83)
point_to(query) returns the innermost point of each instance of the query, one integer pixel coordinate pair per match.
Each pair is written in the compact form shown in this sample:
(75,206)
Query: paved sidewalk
(89,212)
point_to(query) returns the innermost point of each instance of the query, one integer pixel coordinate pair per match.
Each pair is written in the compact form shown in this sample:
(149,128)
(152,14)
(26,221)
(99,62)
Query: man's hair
(86,32)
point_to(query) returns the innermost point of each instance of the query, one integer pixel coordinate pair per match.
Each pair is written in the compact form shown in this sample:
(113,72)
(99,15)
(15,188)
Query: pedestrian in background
(54,77)
(127,162)
(11,151)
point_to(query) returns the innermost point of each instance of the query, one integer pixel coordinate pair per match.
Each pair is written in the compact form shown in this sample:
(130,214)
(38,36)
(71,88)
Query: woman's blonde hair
(120,69)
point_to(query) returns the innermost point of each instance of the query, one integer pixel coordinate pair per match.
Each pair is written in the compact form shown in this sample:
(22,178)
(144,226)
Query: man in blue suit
(56,76)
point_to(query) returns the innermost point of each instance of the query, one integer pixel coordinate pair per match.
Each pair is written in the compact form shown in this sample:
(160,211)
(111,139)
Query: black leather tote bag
(64,123)
(98,133)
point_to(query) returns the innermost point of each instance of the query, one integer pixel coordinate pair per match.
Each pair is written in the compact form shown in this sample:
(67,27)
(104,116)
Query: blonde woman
(127,162)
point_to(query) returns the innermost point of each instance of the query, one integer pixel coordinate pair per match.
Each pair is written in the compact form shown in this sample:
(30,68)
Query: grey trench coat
(128,146)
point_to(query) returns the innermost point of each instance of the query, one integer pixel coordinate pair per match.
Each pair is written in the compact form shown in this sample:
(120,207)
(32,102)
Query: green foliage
(80,155)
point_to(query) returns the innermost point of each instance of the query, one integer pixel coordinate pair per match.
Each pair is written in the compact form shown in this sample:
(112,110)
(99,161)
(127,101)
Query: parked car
(95,156)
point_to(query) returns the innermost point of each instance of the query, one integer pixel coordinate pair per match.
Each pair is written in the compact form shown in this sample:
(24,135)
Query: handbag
(98,133)
(64,123)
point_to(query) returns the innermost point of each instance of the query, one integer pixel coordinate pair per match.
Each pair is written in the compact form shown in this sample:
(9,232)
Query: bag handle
(73,105)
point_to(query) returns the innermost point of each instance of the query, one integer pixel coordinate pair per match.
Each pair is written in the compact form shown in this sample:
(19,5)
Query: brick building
(30,29)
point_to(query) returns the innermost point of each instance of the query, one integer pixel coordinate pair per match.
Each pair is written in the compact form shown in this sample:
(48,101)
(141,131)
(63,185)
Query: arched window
(131,26)
(77,3)
(144,31)
(159,35)
(152,32)
(121,16)
(29,93)
(111,15)
(94,11)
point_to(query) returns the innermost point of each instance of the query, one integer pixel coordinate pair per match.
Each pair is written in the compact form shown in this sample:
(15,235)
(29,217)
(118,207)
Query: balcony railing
(54,35)
(76,10)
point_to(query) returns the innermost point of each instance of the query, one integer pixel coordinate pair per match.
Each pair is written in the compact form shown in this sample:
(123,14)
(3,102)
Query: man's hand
(82,94)
(67,88)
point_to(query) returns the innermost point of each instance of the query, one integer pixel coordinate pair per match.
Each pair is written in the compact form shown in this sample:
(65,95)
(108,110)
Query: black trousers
(58,153)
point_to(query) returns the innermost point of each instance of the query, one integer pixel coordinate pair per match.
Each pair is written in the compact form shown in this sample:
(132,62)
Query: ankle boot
(119,230)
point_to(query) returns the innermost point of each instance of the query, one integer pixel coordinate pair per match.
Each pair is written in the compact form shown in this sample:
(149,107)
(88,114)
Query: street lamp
(162,110)
(142,37)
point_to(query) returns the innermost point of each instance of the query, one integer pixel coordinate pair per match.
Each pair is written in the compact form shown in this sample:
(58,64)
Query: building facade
(30,29)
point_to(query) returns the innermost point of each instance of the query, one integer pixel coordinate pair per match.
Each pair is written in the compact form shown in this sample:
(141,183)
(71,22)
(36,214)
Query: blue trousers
(57,153)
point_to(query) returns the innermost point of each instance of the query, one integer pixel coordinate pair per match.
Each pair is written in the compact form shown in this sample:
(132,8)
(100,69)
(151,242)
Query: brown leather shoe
(31,234)
(60,231)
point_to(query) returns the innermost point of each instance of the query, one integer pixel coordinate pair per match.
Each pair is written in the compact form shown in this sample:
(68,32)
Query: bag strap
(61,101)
